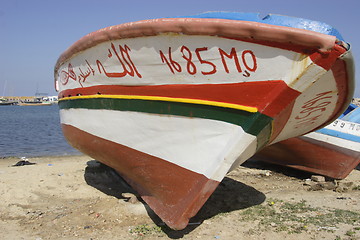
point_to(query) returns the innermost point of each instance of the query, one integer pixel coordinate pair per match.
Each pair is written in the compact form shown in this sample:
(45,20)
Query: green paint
(256,124)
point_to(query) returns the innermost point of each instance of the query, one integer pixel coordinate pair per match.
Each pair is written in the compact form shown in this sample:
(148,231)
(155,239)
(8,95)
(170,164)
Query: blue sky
(33,33)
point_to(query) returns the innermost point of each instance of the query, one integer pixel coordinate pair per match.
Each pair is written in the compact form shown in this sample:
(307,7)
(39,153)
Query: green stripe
(256,124)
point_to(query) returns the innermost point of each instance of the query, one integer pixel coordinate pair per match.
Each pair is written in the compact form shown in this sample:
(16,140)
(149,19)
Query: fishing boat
(39,101)
(174,104)
(333,151)
(6,102)
(35,103)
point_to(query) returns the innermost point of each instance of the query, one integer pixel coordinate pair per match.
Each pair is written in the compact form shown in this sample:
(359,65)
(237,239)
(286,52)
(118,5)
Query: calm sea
(31,131)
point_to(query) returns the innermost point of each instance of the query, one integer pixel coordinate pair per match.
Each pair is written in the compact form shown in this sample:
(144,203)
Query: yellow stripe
(169,99)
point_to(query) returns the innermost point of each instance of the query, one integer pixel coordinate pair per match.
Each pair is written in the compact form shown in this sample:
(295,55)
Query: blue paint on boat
(339,134)
(274,19)
(350,108)
(352,118)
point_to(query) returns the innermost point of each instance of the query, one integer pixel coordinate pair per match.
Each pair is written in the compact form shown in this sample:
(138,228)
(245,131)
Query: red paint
(125,61)
(248,61)
(327,59)
(170,62)
(187,55)
(313,109)
(213,66)
(280,45)
(253,58)
(345,94)
(270,97)
(65,75)
(300,40)
(84,74)
(232,55)
(344,91)
(311,155)
(281,119)
(175,198)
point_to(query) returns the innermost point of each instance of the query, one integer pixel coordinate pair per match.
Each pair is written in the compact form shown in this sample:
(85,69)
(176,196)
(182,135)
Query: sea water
(32,131)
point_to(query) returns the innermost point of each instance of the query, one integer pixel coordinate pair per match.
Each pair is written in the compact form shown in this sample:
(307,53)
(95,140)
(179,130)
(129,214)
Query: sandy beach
(75,197)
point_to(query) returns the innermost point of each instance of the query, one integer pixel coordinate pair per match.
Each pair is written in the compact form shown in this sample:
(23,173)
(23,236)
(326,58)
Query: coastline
(75,197)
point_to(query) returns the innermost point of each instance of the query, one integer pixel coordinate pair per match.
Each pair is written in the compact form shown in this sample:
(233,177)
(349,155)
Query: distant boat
(40,101)
(333,151)
(5,102)
(35,103)
(174,104)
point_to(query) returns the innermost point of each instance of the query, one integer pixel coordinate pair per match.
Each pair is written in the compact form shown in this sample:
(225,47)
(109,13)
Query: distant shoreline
(44,156)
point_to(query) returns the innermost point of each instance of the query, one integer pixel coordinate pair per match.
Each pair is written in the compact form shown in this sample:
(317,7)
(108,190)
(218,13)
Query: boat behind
(333,151)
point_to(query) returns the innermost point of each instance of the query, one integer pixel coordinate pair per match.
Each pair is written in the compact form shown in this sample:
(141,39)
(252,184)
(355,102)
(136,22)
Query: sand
(74,197)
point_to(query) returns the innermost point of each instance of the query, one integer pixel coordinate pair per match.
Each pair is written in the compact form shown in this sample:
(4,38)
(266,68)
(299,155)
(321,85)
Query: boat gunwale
(247,30)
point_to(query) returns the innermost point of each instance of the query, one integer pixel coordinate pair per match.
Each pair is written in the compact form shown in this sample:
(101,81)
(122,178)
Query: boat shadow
(106,180)
(257,162)
(229,196)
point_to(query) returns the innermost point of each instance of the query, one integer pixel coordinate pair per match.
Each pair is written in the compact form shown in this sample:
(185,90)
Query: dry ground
(74,197)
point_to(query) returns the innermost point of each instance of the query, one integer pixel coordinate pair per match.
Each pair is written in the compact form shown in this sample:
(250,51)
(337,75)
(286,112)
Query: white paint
(324,84)
(204,146)
(345,127)
(272,63)
(308,76)
(340,142)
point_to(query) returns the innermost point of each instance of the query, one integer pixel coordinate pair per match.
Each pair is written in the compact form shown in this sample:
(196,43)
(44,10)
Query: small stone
(129,197)
(316,187)
(344,186)
(265,173)
(308,182)
(318,178)
(329,185)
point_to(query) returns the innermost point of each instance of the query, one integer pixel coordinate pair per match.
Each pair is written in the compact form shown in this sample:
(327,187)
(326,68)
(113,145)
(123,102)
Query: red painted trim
(270,97)
(281,45)
(225,28)
(327,59)
(174,193)
(342,83)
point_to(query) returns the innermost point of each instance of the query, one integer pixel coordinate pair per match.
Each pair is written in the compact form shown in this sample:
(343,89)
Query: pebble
(316,187)
(308,182)
(329,185)
(318,178)
(344,186)
(265,173)
(318,183)
(129,197)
